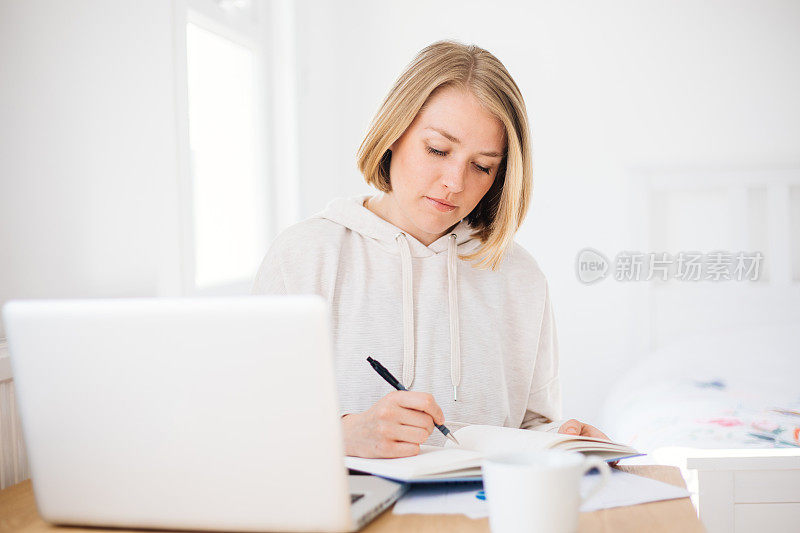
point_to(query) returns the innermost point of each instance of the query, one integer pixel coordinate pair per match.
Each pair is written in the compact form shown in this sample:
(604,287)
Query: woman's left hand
(576,427)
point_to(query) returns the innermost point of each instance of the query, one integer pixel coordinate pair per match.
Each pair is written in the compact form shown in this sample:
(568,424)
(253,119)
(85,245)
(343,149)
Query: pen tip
(452,438)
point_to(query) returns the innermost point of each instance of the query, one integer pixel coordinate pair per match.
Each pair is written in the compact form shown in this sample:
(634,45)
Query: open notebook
(460,462)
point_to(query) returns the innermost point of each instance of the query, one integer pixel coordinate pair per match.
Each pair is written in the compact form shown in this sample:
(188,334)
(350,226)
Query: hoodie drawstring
(452,295)
(408,313)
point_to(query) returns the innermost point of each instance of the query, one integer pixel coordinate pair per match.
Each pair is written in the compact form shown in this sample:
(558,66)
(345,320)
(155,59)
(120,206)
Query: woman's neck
(385,206)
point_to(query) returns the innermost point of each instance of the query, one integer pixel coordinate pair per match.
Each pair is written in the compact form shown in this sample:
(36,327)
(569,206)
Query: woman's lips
(440,206)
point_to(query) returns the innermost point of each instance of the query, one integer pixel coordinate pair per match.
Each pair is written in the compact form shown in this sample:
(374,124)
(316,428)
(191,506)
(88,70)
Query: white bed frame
(736,491)
(748,490)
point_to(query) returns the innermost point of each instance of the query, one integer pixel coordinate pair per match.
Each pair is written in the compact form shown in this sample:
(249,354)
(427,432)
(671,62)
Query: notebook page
(431,460)
(495,439)
(593,447)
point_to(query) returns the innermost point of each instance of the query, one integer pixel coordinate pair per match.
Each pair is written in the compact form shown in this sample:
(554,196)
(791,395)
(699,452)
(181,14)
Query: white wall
(610,86)
(87,146)
(88,157)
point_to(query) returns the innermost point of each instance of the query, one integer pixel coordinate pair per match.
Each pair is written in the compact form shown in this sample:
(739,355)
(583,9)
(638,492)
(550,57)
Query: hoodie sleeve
(543,412)
(270,279)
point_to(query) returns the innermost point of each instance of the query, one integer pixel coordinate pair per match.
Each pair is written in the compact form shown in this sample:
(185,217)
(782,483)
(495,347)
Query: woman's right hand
(394,427)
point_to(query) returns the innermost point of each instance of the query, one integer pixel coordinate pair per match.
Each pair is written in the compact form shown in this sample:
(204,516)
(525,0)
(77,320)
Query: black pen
(385,374)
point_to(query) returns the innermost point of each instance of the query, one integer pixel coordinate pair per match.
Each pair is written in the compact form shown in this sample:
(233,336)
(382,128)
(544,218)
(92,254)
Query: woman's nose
(454,177)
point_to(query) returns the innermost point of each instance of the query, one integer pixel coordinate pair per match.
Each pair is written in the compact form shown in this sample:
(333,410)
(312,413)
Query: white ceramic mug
(538,490)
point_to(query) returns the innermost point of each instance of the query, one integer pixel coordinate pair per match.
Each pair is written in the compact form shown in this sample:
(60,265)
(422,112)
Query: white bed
(713,391)
(717,382)
(708,404)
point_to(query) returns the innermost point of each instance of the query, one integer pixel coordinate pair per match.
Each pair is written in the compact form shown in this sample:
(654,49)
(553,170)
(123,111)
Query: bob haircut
(502,209)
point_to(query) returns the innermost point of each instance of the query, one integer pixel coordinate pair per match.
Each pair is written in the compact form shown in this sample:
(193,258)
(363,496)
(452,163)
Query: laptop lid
(181,413)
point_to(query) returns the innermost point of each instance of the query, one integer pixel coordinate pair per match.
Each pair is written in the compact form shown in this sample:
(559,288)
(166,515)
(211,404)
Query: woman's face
(443,164)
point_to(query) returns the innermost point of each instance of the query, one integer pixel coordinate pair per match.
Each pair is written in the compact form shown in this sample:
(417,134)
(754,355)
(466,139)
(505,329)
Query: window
(224,192)
(222,142)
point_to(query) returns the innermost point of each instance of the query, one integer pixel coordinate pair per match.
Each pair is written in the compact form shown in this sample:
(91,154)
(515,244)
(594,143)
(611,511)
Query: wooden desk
(18,513)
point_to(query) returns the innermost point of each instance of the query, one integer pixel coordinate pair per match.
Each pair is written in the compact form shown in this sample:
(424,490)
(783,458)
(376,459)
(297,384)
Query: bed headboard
(710,211)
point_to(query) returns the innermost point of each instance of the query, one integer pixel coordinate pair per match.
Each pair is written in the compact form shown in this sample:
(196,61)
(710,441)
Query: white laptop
(204,414)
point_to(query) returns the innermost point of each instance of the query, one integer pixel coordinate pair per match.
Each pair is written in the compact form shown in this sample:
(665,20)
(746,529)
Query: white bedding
(711,391)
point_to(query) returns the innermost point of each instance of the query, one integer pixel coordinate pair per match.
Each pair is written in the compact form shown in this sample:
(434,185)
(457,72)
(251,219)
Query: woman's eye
(435,151)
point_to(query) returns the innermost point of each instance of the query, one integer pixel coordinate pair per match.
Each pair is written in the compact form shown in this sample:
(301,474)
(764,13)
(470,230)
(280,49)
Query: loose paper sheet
(622,488)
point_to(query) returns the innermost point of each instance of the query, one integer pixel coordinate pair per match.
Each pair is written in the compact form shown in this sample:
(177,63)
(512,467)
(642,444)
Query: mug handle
(605,474)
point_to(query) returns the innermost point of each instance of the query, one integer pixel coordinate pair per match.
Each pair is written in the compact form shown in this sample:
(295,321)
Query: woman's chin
(434,223)
(436,229)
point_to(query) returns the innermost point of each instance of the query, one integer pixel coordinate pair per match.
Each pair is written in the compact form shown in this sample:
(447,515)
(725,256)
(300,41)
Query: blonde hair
(502,209)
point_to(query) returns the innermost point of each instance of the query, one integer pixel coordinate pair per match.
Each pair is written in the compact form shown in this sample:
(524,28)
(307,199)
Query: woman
(425,276)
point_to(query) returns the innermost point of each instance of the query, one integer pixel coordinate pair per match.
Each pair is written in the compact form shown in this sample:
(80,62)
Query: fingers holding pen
(412,417)
(420,401)
(394,426)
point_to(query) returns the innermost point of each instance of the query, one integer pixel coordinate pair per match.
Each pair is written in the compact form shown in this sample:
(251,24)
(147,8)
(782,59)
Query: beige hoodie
(482,342)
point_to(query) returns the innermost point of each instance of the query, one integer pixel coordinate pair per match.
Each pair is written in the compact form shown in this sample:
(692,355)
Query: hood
(351,213)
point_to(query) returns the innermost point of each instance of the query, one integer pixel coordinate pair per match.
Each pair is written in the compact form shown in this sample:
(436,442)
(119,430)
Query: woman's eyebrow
(455,139)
